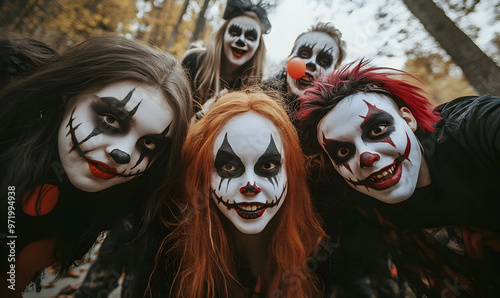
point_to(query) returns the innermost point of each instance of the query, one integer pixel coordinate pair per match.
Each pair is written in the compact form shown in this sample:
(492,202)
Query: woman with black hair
(83,142)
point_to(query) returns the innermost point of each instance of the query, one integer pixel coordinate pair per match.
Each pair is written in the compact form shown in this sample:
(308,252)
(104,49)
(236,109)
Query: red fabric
(477,240)
(48,200)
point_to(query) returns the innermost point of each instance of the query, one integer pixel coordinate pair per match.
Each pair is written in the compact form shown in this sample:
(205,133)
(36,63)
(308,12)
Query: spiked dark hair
(356,77)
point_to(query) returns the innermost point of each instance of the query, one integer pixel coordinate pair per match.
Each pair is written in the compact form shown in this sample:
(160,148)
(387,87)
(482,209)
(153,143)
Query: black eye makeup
(235,30)
(109,119)
(377,126)
(324,59)
(339,152)
(251,34)
(227,163)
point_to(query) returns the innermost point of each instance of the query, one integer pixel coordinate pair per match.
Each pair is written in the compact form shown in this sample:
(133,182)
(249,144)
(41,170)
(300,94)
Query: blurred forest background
(447,60)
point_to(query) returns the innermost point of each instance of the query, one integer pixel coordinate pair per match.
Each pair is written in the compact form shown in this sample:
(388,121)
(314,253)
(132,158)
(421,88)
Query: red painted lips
(101,170)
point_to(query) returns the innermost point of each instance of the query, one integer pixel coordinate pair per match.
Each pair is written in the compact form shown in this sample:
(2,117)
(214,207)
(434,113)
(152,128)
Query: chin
(391,197)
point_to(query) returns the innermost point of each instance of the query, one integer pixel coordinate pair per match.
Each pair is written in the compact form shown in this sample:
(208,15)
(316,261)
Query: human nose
(120,151)
(311,65)
(368,159)
(240,42)
(250,189)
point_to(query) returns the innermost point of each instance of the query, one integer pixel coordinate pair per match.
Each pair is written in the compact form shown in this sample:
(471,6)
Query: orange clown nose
(296,68)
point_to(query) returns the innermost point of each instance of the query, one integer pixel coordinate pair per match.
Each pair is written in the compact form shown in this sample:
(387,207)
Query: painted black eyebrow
(329,50)
(271,152)
(235,27)
(119,105)
(251,32)
(307,46)
(224,152)
(270,155)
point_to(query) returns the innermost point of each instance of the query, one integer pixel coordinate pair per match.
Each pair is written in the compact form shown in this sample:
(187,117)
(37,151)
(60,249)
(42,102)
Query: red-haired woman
(249,226)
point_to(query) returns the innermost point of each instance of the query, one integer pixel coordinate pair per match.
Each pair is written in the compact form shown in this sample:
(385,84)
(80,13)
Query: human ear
(408,117)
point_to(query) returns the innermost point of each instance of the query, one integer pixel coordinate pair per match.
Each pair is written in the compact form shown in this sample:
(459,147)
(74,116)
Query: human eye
(268,168)
(324,62)
(378,130)
(228,168)
(148,144)
(342,152)
(304,53)
(111,123)
(234,30)
(251,35)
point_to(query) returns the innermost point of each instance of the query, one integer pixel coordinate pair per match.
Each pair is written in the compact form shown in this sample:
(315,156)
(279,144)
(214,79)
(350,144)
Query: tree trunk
(176,28)
(481,71)
(200,23)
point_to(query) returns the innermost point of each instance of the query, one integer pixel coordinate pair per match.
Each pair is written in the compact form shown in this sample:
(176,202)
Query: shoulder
(276,82)
(472,124)
(462,109)
(192,57)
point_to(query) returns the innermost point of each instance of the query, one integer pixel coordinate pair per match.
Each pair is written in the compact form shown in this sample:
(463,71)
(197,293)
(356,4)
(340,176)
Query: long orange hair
(200,243)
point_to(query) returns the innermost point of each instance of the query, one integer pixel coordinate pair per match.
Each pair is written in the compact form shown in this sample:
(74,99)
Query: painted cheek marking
(371,110)
(348,167)
(273,180)
(388,140)
(73,136)
(222,179)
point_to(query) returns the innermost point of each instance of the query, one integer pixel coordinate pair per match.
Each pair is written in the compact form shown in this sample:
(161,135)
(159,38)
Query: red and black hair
(356,77)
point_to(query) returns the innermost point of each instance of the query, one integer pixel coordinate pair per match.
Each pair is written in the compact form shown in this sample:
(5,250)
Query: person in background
(322,49)
(233,57)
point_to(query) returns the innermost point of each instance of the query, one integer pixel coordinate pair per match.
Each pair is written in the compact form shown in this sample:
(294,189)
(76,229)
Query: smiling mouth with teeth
(389,175)
(238,53)
(304,82)
(249,210)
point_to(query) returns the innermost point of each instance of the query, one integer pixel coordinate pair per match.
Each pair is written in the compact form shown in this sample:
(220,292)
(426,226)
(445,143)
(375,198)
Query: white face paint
(241,40)
(372,145)
(110,136)
(249,179)
(320,53)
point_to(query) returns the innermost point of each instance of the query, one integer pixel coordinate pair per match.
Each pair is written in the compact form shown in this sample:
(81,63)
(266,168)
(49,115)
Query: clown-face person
(234,56)
(85,150)
(249,179)
(322,49)
(241,40)
(370,142)
(321,54)
(248,209)
(113,135)
(425,178)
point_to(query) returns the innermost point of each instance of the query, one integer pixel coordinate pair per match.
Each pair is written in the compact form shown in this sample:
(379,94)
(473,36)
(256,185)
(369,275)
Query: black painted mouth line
(238,206)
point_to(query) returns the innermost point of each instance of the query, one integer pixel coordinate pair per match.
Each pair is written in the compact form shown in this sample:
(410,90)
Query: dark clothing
(191,64)
(120,252)
(277,82)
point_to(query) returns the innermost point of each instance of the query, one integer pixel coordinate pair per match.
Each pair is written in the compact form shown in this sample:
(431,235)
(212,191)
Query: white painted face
(372,145)
(110,136)
(241,40)
(249,182)
(320,53)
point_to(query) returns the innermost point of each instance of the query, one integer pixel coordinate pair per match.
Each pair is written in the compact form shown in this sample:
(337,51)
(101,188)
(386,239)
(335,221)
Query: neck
(424,176)
(253,249)
(229,72)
